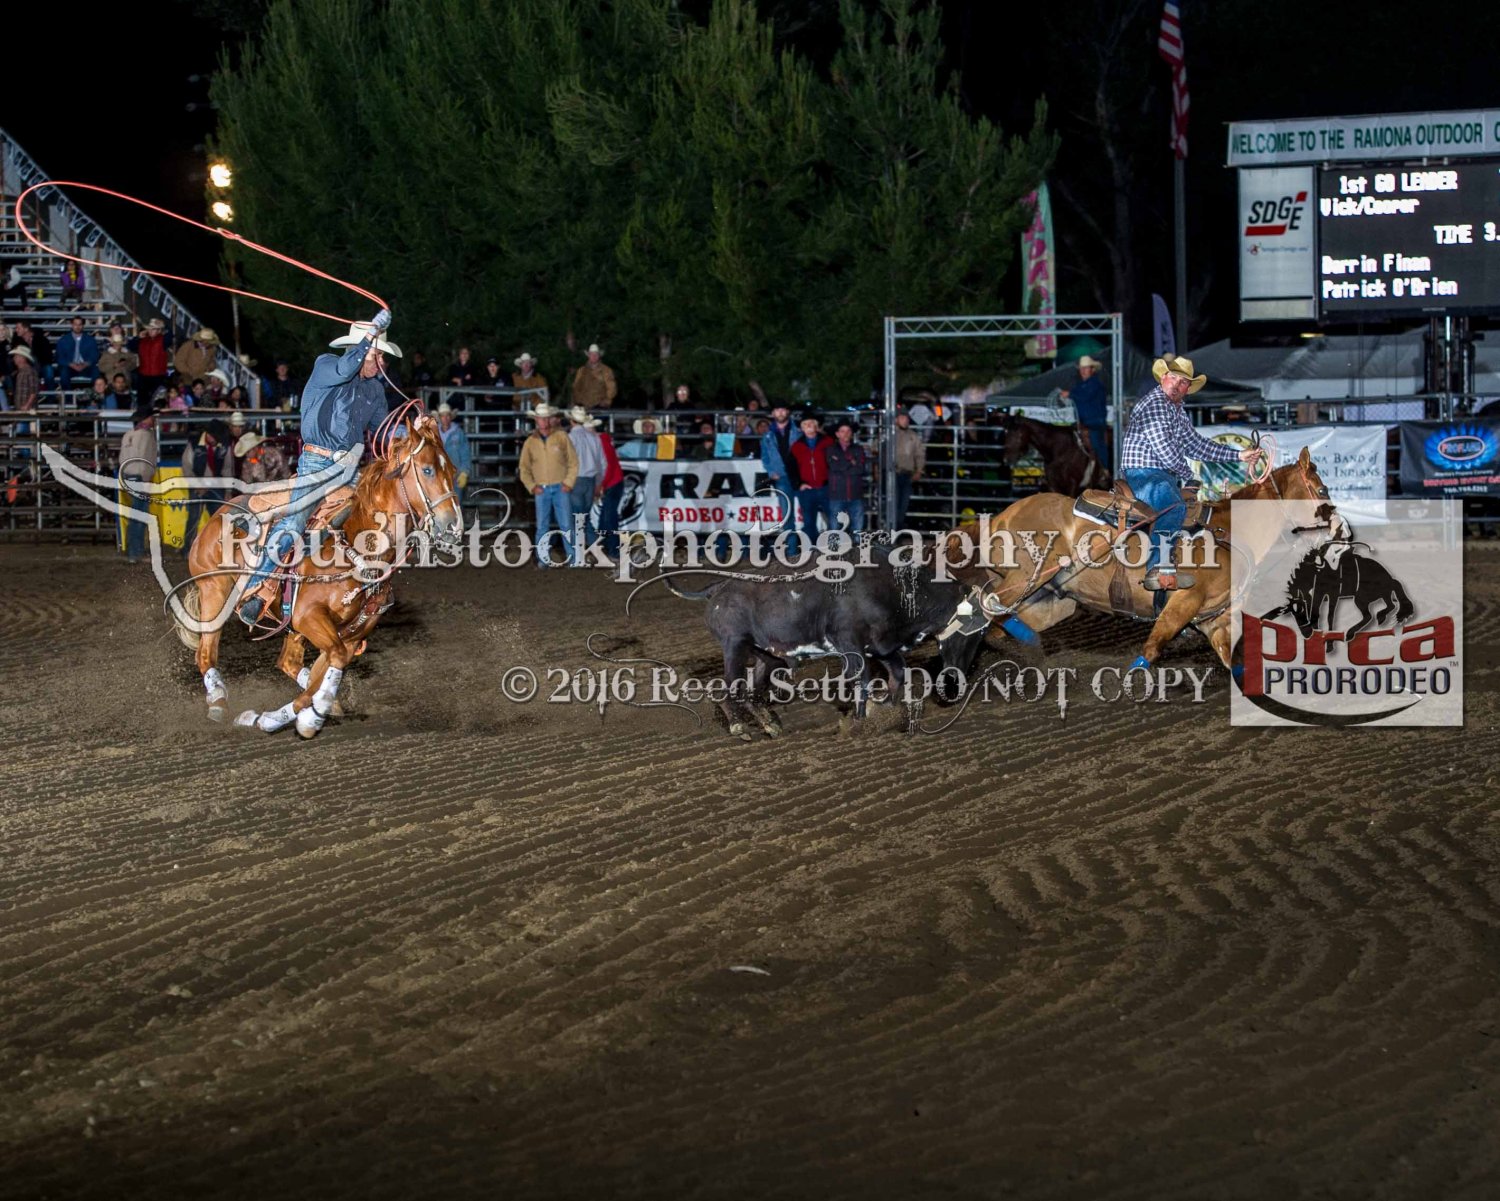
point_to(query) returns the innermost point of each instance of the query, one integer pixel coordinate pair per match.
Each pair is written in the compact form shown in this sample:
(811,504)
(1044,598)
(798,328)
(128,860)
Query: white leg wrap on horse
(328,690)
(277,719)
(213,685)
(303,677)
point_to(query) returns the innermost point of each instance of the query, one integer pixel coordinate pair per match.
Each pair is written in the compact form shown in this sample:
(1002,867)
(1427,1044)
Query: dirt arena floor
(460,946)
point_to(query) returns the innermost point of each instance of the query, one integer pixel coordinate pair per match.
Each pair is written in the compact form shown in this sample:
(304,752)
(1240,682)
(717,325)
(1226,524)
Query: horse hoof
(337,710)
(246,719)
(217,712)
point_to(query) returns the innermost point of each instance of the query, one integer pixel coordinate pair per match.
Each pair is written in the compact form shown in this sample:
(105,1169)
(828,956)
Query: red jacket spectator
(613,473)
(812,460)
(152,349)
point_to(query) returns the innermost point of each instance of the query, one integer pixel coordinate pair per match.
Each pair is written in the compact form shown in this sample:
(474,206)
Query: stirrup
(1167,581)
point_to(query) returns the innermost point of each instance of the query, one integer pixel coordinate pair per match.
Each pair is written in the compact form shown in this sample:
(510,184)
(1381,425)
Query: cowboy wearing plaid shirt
(1154,458)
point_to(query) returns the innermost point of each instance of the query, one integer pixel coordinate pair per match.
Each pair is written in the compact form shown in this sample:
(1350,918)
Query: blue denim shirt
(338,405)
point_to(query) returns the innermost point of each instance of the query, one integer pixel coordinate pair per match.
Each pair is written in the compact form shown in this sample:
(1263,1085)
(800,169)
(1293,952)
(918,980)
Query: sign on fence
(1450,458)
(1350,458)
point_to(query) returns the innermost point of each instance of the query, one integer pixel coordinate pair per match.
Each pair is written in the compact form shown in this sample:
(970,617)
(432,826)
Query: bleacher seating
(43,304)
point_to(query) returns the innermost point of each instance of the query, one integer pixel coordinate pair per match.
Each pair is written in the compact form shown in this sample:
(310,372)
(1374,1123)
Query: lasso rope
(203,283)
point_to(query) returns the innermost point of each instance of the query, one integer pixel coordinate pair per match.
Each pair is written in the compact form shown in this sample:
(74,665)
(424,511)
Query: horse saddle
(1122,509)
(330,512)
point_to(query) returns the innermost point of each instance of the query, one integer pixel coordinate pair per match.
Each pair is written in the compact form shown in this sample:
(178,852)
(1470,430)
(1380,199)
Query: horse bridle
(429,520)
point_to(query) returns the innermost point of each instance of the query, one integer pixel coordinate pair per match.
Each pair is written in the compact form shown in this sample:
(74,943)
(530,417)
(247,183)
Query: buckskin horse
(1027,593)
(1067,466)
(336,598)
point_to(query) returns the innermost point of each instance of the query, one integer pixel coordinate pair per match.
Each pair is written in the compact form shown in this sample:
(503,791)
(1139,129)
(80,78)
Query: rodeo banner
(702,497)
(1350,458)
(1451,458)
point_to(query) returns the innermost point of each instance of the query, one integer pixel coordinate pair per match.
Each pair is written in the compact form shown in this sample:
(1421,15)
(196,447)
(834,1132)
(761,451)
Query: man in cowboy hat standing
(196,358)
(594,384)
(548,468)
(138,463)
(343,401)
(528,377)
(1158,441)
(24,394)
(1090,405)
(456,446)
(591,466)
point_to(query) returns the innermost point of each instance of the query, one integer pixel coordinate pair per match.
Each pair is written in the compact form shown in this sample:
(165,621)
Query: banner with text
(704,497)
(1350,458)
(1360,139)
(1450,458)
(1276,228)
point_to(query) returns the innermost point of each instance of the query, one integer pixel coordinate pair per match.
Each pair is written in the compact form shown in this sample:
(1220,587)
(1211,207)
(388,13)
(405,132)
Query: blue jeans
(903,497)
(293,523)
(814,501)
(582,500)
(135,531)
(609,518)
(1163,492)
(1100,442)
(554,511)
(855,510)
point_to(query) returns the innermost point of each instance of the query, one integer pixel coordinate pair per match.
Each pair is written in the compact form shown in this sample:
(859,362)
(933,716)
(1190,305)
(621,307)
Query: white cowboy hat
(361,330)
(218,375)
(1088,360)
(544,410)
(156,323)
(639,425)
(236,418)
(594,348)
(205,335)
(246,444)
(1178,366)
(579,415)
(23,350)
(445,407)
(524,359)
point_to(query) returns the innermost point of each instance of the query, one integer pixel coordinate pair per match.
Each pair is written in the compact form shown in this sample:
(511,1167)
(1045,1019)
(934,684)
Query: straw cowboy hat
(639,426)
(524,359)
(579,415)
(25,350)
(545,410)
(236,419)
(1178,366)
(206,335)
(1088,360)
(361,330)
(445,407)
(247,443)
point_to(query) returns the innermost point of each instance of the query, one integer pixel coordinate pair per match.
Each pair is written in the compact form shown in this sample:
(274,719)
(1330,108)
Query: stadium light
(223,211)
(220,175)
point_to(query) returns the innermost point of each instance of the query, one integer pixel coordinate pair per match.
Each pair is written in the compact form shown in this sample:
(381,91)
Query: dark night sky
(1245,61)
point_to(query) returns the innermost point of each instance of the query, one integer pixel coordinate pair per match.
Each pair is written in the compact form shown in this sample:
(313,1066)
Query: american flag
(1169,46)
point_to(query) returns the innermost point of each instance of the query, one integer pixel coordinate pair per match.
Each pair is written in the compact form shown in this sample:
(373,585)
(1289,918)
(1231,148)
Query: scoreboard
(1396,240)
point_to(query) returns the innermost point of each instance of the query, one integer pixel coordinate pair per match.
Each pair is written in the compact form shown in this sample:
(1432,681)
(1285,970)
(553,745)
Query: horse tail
(689,594)
(1404,607)
(190,602)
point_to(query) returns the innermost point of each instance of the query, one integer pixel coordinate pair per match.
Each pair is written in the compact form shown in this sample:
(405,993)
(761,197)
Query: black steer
(872,618)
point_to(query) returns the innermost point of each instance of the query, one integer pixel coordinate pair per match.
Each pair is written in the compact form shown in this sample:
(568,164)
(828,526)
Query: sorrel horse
(338,596)
(1030,592)
(1067,468)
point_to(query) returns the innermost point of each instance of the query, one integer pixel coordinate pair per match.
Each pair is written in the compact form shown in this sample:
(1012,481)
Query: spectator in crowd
(25,334)
(150,346)
(547,469)
(237,398)
(138,463)
(911,460)
(71,276)
(99,396)
(752,405)
(257,460)
(421,373)
(761,427)
(704,445)
(529,377)
(283,388)
(197,394)
(811,454)
(196,357)
(77,356)
(117,356)
(493,377)
(594,385)
(216,387)
(12,286)
(613,484)
(780,466)
(25,388)
(1089,406)
(590,452)
(462,372)
(682,398)
(206,456)
(643,445)
(456,446)
(848,473)
(119,392)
